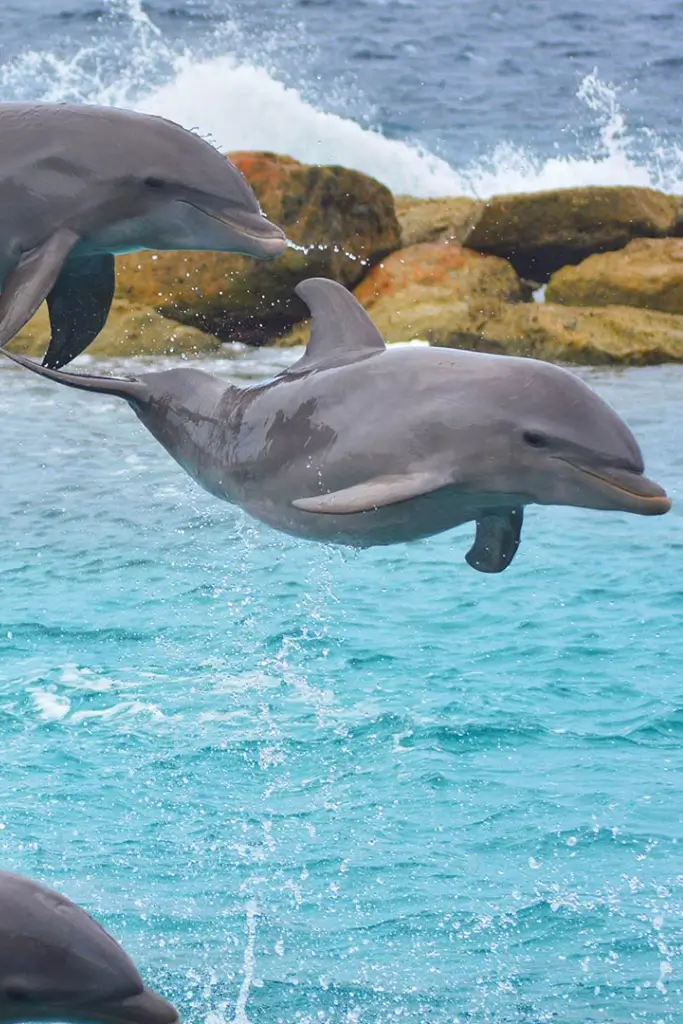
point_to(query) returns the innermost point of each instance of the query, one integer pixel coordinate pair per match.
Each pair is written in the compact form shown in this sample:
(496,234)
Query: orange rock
(433,291)
(343,220)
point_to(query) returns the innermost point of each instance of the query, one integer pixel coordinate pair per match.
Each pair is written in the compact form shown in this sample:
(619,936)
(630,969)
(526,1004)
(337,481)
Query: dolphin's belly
(419,517)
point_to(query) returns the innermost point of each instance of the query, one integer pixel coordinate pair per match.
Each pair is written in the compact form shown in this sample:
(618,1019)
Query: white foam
(84,679)
(242,107)
(122,709)
(51,706)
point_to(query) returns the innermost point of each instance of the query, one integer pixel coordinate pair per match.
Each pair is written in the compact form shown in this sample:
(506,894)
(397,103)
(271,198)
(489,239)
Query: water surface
(303,785)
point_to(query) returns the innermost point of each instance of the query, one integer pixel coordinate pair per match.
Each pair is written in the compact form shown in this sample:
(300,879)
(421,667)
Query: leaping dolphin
(79,184)
(58,964)
(361,444)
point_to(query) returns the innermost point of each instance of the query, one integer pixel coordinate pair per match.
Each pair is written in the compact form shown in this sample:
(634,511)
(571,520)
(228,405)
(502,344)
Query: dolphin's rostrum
(79,184)
(361,444)
(58,964)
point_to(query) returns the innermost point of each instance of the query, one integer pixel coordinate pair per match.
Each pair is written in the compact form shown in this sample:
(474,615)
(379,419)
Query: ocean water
(303,785)
(307,785)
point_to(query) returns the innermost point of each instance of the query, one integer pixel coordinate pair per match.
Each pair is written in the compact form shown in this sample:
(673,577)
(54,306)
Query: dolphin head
(22,1001)
(555,442)
(58,964)
(190,196)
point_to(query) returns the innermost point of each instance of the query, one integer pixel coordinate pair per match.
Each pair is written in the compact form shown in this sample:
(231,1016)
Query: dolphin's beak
(624,490)
(263,239)
(145,1008)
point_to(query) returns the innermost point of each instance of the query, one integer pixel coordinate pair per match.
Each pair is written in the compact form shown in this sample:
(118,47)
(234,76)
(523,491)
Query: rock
(434,220)
(542,231)
(647,273)
(611,335)
(427,290)
(345,218)
(606,336)
(131,330)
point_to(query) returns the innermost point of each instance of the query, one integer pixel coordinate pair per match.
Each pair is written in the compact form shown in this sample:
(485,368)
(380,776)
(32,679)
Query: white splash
(248,967)
(51,706)
(240,103)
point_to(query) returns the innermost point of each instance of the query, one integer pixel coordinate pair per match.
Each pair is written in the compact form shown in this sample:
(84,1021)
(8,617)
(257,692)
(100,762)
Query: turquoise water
(307,786)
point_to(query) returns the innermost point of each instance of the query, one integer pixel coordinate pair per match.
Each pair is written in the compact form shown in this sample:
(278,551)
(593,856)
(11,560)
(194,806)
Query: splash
(234,96)
(248,969)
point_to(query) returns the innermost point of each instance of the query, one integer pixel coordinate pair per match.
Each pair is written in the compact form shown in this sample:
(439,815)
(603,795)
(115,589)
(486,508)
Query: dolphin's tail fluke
(132,390)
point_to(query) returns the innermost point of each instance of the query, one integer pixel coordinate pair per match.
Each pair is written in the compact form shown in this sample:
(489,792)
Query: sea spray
(236,97)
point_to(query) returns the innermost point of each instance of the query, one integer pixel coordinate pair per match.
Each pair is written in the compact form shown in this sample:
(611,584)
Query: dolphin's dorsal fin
(342,332)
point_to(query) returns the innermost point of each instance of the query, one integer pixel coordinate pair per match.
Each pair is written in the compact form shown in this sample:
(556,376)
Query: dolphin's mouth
(632,492)
(266,237)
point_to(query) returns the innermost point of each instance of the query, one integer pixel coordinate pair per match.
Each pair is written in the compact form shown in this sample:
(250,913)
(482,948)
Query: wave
(237,98)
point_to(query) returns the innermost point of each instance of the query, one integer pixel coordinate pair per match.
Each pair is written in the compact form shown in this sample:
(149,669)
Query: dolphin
(79,184)
(360,444)
(58,964)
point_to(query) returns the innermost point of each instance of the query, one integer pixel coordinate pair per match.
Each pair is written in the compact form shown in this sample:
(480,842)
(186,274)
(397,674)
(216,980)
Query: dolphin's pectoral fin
(373,494)
(79,304)
(496,540)
(28,284)
(342,331)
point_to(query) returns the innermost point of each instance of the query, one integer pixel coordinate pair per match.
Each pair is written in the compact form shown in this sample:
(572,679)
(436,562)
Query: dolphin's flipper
(31,280)
(79,304)
(372,494)
(342,331)
(496,540)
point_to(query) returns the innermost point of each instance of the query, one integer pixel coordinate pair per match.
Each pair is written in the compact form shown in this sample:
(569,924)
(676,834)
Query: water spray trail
(248,968)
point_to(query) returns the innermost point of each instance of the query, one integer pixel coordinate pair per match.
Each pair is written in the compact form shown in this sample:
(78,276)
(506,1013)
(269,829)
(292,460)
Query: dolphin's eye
(154,183)
(534,439)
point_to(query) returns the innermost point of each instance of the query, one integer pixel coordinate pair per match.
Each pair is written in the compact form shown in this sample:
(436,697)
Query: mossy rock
(540,232)
(130,330)
(647,273)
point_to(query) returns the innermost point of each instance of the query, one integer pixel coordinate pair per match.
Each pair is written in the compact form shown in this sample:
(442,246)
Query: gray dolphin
(79,184)
(361,444)
(58,964)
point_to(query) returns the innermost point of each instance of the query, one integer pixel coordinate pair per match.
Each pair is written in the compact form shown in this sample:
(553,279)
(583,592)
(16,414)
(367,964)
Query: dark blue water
(508,93)
(307,786)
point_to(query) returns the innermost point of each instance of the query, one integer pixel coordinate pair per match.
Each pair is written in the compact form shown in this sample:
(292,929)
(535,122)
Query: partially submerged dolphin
(79,184)
(58,964)
(361,444)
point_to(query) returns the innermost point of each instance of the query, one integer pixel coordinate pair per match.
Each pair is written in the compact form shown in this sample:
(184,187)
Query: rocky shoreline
(586,275)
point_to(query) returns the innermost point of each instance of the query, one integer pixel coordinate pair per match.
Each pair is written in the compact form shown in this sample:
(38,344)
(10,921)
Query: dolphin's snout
(626,490)
(145,1008)
(264,239)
